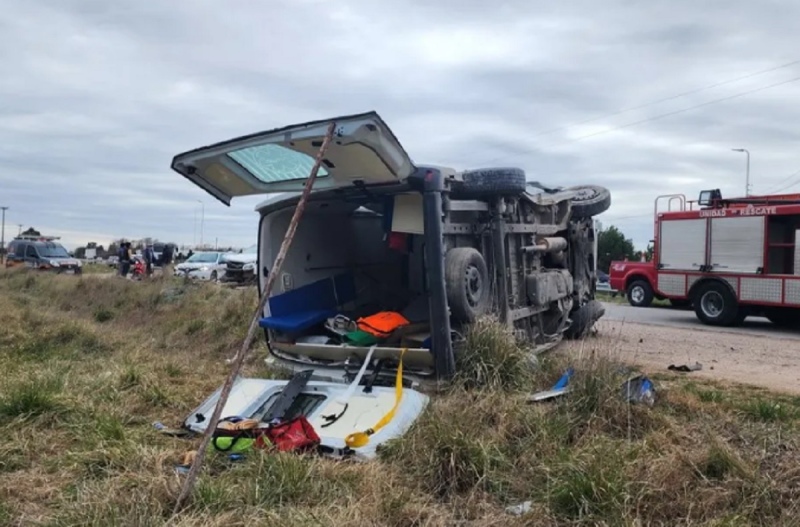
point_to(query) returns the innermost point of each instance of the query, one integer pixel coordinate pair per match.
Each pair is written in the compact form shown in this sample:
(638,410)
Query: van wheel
(715,305)
(467,283)
(589,200)
(494,181)
(213,276)
(640,294)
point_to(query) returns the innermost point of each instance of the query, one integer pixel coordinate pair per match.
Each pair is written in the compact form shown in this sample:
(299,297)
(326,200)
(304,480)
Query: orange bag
(382,324)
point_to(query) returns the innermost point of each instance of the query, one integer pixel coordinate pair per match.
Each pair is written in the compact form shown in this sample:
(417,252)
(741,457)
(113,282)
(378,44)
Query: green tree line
(612,245)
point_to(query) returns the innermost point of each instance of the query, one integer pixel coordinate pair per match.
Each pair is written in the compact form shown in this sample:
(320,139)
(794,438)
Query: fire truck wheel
(467,283)
(590,200)
(715,304)
(640,294)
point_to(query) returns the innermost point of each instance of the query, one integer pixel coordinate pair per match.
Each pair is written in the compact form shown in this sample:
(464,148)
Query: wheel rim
(712,304)
(637,294)
(473,285)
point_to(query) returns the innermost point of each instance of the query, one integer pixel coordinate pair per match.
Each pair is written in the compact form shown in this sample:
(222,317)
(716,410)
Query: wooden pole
(188,484)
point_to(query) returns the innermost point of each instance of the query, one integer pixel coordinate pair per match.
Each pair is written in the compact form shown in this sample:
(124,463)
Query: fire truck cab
(728,258)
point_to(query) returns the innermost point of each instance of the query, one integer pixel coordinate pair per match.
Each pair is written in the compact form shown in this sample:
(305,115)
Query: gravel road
(685,318)
(771,362)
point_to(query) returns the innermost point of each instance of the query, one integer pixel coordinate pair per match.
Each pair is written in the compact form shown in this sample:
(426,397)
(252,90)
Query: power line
(629,217)
(683,110)
(665,99)
(791,183)
(658,117)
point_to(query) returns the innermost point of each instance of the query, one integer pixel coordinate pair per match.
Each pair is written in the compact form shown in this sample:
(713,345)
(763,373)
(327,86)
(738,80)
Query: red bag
(295,434)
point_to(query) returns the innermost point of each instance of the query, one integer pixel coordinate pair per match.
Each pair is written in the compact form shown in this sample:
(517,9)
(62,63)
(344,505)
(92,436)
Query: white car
(242,267)
(203,266)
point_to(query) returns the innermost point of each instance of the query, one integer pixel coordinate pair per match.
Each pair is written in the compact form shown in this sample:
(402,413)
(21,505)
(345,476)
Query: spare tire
(467,283)
(494,181)
(589,200)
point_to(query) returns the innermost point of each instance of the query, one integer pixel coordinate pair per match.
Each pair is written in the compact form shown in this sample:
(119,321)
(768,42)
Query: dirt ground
(771,363)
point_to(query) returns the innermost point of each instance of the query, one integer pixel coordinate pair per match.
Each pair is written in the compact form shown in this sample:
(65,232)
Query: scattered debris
(639,389)
(260,408)
(171,432)
(520,509)
(559,388)
(686,369)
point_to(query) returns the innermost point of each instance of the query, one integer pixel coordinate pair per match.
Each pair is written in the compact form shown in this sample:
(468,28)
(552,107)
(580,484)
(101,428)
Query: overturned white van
(392,255)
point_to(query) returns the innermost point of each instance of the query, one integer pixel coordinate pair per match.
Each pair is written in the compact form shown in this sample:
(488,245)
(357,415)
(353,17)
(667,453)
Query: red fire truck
(728,258)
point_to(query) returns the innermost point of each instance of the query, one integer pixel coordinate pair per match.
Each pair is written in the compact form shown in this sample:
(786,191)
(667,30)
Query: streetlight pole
(202,219)
(3,235)
(747,175)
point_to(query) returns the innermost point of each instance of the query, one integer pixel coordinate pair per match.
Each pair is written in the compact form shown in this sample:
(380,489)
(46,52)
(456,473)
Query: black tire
(715,304)
(639,293)
(591,200)
(213,276)
(741,316)
(783,317)
(492,181)
(583,319)
(467,284)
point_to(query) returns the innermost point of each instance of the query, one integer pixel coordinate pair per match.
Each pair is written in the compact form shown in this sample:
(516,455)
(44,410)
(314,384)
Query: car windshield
(203,258)
(253,249)
(52,250)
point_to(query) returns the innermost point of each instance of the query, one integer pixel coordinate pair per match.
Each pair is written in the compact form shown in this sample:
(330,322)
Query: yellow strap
(359,439)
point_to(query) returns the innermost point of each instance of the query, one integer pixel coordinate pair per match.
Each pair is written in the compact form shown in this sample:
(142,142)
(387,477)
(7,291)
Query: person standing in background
(126,264)
(166,260)
(149,259)
(124,261)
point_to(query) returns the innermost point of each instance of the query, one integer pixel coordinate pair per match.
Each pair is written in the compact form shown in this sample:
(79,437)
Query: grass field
(90,364)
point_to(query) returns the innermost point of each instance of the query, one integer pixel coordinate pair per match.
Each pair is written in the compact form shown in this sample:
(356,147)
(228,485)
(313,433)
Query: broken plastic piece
(559,388)
(684,368)
(639,389)
(520,509)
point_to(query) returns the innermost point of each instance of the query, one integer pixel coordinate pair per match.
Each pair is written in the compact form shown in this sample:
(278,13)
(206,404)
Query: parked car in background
(208,265)
(44,254)
(242,268)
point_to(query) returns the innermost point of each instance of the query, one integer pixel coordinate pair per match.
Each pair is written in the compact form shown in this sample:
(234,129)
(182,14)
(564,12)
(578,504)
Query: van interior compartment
(350,259)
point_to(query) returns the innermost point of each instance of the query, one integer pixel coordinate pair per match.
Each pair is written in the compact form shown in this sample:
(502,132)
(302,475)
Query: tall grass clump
(490,358)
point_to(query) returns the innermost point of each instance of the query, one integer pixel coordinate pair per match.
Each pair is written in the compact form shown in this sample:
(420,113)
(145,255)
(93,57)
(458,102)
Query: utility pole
(747,174)
(20,229)
(202,219)
(3,235)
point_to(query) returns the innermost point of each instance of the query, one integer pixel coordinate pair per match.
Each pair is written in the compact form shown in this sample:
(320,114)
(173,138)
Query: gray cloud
(96,97)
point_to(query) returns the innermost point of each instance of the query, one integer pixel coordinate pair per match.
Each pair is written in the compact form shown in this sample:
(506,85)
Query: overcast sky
(97,96)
